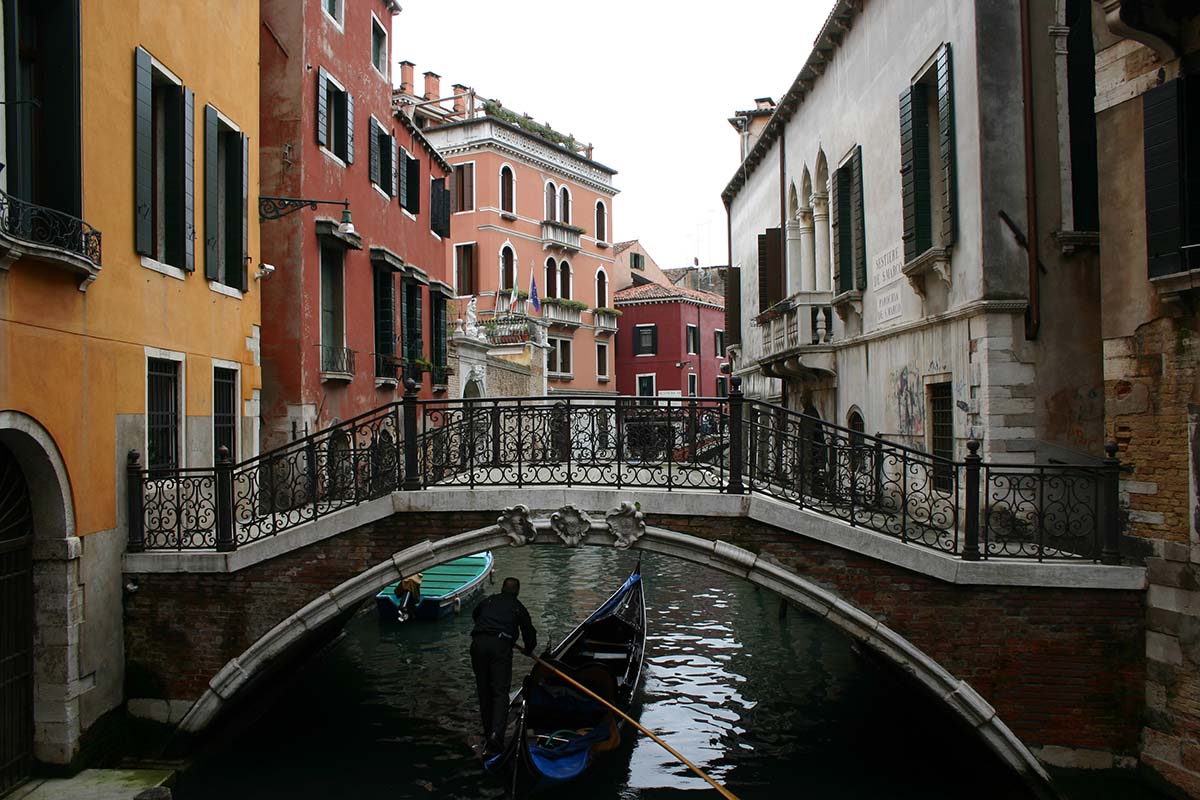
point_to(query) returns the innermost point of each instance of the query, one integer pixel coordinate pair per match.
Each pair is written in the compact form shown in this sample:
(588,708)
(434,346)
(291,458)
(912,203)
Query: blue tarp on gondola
(614,601)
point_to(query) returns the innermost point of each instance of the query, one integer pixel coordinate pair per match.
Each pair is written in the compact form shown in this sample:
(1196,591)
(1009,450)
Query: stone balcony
(797,335)
(560,236)
(560,315)
(605,321)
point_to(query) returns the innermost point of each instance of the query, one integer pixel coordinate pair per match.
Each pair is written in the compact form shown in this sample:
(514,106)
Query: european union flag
(537,304)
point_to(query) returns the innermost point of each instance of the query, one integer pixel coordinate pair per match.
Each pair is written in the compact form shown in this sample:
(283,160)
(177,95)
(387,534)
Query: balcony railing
(508,329)
(337,361)
(556,234)
(387,366)
(557,314)
(49,234)
(605,322)
(807,321)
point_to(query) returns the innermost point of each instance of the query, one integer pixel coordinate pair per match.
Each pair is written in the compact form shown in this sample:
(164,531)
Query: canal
(772,707)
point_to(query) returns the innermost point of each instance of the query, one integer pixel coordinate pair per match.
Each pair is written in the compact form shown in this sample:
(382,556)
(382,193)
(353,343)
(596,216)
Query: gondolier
(497,621)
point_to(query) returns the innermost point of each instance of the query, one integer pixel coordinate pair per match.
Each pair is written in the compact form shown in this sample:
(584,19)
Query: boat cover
(568,759)
(611,604)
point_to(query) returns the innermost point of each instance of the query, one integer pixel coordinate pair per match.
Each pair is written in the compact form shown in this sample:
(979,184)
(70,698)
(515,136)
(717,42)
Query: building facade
(350,310)
(904,261)
(129,321)
(528,205)
(1147,105)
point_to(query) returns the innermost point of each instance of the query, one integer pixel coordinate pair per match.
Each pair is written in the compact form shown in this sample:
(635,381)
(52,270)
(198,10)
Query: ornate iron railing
(48,227)
(731,445)
(337,359)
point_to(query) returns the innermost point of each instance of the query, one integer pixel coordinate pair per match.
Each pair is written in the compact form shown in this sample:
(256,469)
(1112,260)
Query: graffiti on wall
(910,401)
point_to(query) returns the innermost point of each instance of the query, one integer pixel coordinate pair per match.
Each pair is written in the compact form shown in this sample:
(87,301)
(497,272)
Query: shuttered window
(464,187)
(335,117)
(464,269)
(382,153)
(733,304)
(408,176)
(645,340)
(226,200)
(439,207)
(438,347)
(385,322)
(1170,114)
(927,162)
(413,325)
(858,220)
(848,239)
(164,147)
(770,268)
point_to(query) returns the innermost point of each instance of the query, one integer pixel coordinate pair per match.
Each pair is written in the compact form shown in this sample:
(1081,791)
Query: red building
(670,341)
(349,310)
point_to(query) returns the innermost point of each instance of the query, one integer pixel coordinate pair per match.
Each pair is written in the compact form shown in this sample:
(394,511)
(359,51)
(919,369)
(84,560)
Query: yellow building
(135,330)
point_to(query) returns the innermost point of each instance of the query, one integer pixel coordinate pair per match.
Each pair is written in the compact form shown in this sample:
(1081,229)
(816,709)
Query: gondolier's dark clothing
(497,621)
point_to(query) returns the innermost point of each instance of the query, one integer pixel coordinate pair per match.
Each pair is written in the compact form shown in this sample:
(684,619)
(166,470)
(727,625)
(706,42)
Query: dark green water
(773,708)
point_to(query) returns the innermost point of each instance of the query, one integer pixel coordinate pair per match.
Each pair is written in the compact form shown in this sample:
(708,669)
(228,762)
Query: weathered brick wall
(1061,667)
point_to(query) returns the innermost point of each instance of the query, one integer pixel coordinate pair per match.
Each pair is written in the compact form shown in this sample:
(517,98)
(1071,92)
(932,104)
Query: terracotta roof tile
(656,291)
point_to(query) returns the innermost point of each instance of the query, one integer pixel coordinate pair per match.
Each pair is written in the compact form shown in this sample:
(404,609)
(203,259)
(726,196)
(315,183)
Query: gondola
(556,731)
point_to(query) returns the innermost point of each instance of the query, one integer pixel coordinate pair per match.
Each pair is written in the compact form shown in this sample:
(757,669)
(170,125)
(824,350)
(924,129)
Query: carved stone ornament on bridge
(571,525)
(626,524)
(515,524)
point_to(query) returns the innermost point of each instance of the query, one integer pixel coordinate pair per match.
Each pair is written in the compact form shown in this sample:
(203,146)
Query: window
(162,414)
(564,280)
(551,201)
(637,261)
(385,323)
(42,118)
(409,178)
(693,340)
(601,290)
(508,199)
(602,361)
(225,401)
(226,199)
(558,359)
(551,278)
(645,340)
(941,415)
(564,206)
(382,158)
(508,268)
(333,9)
(771,276)
(164,147)
(857,439)
(413,325)
(927,159)
(439,208)
(438,348)
(722,386)
(1170,117)
(335,117)
(719,343)
(379,46)
(693,383)
(464,269)
(601,222)
(646,387)
(333,330)
(464,187)
(847,237)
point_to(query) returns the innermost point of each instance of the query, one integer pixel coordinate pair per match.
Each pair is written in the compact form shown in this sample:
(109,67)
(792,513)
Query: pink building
(347,313)
(528,204)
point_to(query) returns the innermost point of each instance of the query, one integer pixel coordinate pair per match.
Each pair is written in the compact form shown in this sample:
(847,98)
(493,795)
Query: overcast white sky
(651,84)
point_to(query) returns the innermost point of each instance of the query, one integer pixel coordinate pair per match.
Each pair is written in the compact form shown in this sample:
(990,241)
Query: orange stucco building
(136,330)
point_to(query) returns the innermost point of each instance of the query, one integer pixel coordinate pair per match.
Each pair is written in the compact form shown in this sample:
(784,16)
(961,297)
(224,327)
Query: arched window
(854,421)
(564,280)
(508,268)
(565,206)
(601,222)
(551,201)
(551,278)
(507,190)
(601,289)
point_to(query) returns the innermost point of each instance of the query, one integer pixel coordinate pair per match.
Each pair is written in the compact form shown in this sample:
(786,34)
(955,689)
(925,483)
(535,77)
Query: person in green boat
(497,621)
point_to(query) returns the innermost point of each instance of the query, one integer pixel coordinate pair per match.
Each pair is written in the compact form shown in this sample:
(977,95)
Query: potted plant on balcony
(616,312)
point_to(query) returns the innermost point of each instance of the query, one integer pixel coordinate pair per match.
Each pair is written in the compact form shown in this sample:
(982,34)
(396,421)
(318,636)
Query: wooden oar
(724,792)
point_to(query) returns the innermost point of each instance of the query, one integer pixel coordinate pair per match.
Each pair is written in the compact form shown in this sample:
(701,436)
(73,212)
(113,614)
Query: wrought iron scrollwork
(49,227)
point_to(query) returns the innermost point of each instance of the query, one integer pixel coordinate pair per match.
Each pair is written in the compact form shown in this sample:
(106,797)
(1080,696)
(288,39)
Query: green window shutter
(143,137)
(654,340)
(349,128)
(949,199)
(733,305)
(414,185)
(402,177)
(844,237)
(835,230)
(1163,144)
(435,205)
(384,312)
(775,274)
(445,231)
(212,188)
(393,157)
(244,250)
(373,151)
(404,332)
(189,179)
(322,107)
(859,240)
(764,291)
(908,175)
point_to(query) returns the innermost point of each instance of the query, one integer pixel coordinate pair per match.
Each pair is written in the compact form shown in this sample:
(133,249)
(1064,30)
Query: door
(16,624)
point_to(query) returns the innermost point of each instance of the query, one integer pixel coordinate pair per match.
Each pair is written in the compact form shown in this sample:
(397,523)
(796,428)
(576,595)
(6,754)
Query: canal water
(773,707)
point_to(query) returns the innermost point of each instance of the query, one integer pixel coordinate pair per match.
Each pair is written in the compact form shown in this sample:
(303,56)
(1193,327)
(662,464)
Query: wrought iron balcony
(440,375)
(796,335)
(387,366)
(508,329)
(559,235)
(337,363)
(46,234)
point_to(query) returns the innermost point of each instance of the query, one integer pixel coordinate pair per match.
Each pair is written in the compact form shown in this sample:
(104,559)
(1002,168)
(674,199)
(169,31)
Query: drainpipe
(1033,312)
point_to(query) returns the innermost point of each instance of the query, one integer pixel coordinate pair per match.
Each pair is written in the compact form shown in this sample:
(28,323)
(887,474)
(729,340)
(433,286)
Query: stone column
(820,214)
(808,255)
(795,273)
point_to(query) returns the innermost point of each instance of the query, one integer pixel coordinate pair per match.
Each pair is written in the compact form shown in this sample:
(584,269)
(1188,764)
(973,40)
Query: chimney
(406,77)
(695,261)
(460,99)
(433,86)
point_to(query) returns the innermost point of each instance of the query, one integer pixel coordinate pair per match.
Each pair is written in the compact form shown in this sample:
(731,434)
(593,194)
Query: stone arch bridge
(235,571)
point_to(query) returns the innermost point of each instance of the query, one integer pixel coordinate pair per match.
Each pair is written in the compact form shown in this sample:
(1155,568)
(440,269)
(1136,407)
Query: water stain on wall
(910,401)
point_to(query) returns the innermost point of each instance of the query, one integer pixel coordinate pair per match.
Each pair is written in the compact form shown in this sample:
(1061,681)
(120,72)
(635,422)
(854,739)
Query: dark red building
(670,341)
(349,309)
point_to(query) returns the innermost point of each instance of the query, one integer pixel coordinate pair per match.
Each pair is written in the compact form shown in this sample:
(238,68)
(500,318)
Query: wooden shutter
(393,156)
(143,138)
(1164,164)
(385,313)
(244,249)
(775,263)
(212,188)
(435,204)
(468,187)
(414,185)
(189,179)
(908,178)
(322,107)
(373,150)
(402,177)
(349,128)
(764,292)
(949,199)
(859,241)
(733,305)
(835,229)
(842,224)
(654,340)
(443,217)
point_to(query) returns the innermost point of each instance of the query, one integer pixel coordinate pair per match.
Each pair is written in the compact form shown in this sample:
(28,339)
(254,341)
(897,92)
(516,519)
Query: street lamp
(277,207)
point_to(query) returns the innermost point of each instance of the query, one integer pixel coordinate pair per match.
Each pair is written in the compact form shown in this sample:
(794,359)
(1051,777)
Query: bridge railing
(730,445)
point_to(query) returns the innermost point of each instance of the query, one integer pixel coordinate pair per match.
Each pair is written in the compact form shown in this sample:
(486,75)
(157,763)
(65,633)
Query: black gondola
(558,731)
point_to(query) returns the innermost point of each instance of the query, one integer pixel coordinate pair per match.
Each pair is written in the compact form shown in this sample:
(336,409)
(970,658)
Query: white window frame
(383,73)
(236,366)
(562,218)
(181,358)
(693,384)
(320,322)
(500,188)
(402,157)
(607,287)
(339,21)
(454,276)
(688,336)
(554,342)
(150,262)
(218,286)
(607,374)
(724,344)
(596,234)
(554,272)
(341,88)
(500,266)
(379,127)
(635,338)
(637,383)
(555,218)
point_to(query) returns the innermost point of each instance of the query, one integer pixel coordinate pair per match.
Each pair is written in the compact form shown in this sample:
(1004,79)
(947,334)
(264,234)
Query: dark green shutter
(908,176)
(733,305)
(393,157)
(435,205)
(385,325)
(1164,163)
(764,291)
(402,177)
(945,79)
(414,185)
(843,235)
(859,240)
(835,230)
(349,128)
(143,138)
(244,250)
(914,171)
(445,231)
(419,325)
(322,107)
(212,188)
(654,340)
(405,337)
(189,179)
(373,151)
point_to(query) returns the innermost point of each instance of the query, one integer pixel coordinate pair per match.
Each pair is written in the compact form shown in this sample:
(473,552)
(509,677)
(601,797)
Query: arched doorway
(16,623)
